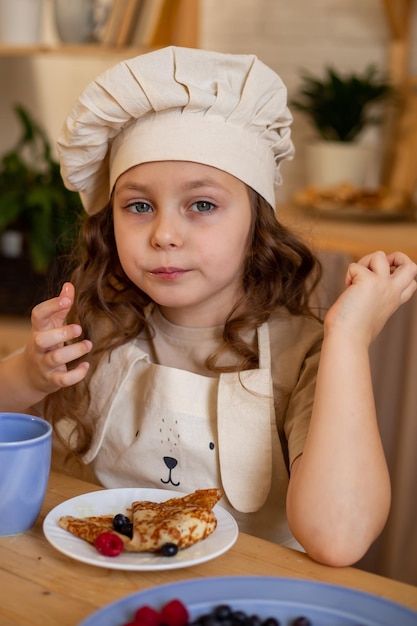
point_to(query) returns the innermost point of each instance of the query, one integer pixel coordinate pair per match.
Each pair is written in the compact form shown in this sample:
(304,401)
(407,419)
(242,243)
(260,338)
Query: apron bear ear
(244,417)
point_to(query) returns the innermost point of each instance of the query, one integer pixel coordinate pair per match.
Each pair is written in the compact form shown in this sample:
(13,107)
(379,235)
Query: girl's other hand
(375,287)
(48,352)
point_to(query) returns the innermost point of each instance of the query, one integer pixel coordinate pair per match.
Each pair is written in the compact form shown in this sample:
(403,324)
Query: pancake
(182,521)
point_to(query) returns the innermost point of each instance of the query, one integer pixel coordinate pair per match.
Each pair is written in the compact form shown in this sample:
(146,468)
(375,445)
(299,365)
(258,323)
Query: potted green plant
(35,205)
(340,107)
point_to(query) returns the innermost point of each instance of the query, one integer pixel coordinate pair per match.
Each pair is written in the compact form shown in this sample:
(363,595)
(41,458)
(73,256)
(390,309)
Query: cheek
(121,244)
(128,248)
(226,259)
(235,247)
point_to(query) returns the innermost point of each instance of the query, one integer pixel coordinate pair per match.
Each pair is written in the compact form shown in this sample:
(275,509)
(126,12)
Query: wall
(288,36)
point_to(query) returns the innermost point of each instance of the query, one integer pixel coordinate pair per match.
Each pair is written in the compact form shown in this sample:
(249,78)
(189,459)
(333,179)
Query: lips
(168,273)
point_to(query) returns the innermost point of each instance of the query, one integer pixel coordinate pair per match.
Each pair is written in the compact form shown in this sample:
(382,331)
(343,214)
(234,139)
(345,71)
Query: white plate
(112,501)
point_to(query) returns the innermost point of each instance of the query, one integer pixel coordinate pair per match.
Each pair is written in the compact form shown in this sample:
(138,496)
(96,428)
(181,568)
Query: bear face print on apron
(162,427)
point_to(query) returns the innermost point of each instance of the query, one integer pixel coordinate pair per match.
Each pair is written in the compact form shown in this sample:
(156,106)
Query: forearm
(17,393)
(339,492)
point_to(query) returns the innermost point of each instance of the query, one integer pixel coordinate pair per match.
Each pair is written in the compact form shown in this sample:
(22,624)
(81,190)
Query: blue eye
(139,207)
(202,206)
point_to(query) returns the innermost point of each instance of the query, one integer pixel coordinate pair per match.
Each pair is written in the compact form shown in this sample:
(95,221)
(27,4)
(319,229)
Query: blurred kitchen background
(293,37)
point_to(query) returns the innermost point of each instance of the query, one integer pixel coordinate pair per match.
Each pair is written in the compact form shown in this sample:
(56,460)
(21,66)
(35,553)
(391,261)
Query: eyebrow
(187,186)
(203,182)
(131,185)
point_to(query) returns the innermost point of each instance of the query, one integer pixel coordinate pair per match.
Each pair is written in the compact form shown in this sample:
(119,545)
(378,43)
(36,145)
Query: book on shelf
(128,23)
(121,22)
(152,12)
(140,23)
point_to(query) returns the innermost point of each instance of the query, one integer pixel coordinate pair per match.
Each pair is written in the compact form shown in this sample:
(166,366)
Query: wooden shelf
(178,25)
(92,49)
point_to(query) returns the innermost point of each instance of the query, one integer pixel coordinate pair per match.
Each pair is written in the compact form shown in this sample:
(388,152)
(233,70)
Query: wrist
(346,335)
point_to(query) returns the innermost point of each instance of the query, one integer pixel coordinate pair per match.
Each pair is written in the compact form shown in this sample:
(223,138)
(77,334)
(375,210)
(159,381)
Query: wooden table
(41,586)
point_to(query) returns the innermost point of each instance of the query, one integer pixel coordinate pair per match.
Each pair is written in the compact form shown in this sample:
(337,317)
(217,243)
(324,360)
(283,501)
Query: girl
(205,365)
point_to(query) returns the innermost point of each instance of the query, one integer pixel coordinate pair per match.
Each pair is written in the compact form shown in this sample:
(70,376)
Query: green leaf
(33,195)
(340,107)
(9,209)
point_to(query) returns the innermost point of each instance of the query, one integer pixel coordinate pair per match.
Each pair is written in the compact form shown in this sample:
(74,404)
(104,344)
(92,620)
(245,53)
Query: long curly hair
(280,271)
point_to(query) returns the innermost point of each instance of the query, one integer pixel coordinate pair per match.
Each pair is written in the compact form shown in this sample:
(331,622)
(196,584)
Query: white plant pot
(330,163)
(20,21)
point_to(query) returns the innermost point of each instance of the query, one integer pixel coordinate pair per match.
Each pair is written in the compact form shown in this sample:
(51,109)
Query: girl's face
(182,232)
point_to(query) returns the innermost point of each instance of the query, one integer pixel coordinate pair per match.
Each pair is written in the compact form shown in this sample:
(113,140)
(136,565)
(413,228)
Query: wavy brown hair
(280,271)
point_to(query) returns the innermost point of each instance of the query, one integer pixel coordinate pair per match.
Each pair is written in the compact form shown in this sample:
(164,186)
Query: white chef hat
(224,110)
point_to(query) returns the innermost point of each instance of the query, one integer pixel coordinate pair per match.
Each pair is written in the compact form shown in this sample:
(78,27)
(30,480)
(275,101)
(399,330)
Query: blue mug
(25,463)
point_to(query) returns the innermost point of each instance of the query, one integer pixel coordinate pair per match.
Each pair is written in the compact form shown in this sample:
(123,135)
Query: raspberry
(174,613)
(147,616)
(108,544)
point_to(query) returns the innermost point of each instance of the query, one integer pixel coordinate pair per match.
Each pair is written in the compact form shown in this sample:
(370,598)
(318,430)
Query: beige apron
(162,427)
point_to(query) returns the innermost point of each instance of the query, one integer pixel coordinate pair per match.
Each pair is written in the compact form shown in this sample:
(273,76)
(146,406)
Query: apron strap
(264,347)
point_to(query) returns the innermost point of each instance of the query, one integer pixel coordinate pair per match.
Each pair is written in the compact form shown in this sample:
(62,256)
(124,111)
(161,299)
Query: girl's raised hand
(47,352)
(375,287)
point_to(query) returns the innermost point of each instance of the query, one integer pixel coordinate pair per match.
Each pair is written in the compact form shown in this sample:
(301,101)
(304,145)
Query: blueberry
(119,521)
(239,618)
(126,529)
(222,612)
(207,620)
(169,549)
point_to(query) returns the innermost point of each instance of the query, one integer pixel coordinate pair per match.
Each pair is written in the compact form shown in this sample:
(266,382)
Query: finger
(354,271)
(365,260)
(56,337)
(398,260)
(378,262)
(408,291)
(67,354)
(52,313)
(67,378)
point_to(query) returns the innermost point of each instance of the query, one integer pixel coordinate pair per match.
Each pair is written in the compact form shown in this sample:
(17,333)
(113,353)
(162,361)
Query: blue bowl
(282,598)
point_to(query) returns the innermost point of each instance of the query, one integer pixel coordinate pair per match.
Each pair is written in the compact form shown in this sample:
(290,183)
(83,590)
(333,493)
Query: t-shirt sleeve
(295,354)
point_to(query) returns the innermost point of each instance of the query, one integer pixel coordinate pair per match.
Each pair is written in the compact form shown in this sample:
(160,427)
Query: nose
(166,231)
